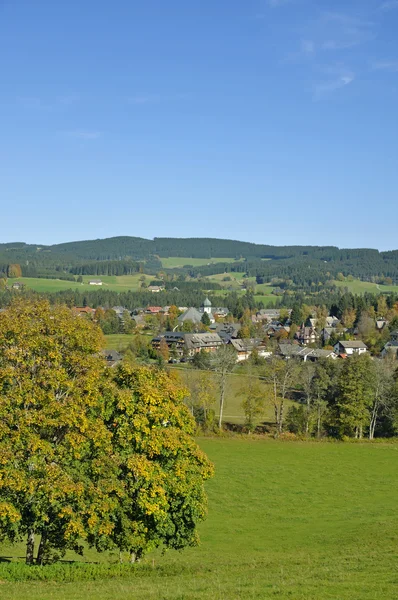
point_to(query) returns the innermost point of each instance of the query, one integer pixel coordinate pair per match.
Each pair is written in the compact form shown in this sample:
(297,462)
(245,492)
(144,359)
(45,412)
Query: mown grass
(174,262)
(301,521)
(113,283)
(360,287)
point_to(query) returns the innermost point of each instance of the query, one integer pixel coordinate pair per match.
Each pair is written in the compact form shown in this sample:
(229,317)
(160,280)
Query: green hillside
(302,521)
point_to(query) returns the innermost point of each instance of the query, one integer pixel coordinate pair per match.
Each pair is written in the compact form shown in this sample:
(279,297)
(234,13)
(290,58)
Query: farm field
(360,287)
(174,262)
(287,520)
(114,283)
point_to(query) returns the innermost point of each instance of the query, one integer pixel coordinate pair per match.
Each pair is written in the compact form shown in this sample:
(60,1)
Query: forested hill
(304,265)
(135,248)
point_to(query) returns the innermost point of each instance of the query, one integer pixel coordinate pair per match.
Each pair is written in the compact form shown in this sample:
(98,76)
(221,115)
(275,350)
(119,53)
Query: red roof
(154,309)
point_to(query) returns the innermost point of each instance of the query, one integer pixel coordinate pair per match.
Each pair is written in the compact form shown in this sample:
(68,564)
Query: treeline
(111,267)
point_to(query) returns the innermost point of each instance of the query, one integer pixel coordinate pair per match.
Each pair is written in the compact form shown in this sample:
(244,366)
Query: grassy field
(293,521)
(235,392)
(360,287)
(122,283)
(174,262)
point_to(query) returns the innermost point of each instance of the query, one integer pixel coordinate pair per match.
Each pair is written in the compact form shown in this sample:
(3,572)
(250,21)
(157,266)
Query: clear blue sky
(272,121)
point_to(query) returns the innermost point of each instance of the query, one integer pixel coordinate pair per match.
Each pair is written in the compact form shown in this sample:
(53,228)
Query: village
(186,331)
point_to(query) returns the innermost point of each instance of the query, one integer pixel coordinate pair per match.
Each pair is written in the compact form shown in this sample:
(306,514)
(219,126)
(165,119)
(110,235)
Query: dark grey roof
(353,344)
(246,344)
(192,314)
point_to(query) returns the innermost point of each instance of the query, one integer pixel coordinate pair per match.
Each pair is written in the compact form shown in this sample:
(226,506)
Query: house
(245,347)
(328,332)
(17,285)
(153,310)
(330,322)
(226,331)
(81,311)
(120,310)
(95,282)
(349,348)
(191,314)
(268,315)
(394,335)
(188,343)
(155,289)
(381,323)
(195,315)
(307,335)
(112,357)
(305,354)
(390,349)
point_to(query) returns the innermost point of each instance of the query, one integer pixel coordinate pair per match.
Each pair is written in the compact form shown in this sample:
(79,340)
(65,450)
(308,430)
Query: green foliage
(205,319)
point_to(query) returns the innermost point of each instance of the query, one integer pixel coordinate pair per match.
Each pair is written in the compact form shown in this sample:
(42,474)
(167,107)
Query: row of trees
(351,398)
(89,453)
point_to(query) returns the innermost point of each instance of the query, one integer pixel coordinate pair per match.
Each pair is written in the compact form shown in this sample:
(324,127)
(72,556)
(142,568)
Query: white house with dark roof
(350,347)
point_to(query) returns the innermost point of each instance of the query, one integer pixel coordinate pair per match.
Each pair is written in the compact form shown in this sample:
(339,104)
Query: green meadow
(360,287)
(175,262)
(287,520)
(122,283)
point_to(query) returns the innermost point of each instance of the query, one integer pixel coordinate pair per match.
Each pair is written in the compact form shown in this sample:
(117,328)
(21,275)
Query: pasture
(287,520)
(360,287)
(122,283)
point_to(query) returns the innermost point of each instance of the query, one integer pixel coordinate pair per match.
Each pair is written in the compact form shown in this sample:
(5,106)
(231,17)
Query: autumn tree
(162,469)
(280,374)
(202,397)
(253,398)
(164,351)
(222,362)
(14,271)
(56,461)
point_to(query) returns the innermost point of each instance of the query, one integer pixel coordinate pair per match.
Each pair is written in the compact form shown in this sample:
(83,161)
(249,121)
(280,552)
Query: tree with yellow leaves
(162,469)
(87,453)
(56,463)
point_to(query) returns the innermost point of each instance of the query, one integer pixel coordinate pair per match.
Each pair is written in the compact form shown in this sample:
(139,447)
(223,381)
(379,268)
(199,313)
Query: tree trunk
(318,425)
(280,424)
(222,395)
(373,420)
(41,553)
(30,547)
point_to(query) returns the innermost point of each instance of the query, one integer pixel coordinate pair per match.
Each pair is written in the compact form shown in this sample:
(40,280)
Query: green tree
(296,316)
(128,323)
(356,393)
(205,319)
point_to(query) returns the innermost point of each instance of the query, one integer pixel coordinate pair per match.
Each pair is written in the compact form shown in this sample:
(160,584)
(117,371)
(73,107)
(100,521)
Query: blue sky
(272,121)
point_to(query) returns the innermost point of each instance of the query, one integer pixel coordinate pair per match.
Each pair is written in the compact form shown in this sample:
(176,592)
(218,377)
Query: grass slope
(360,287)
(300,521)
(114,283)
(175,262)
